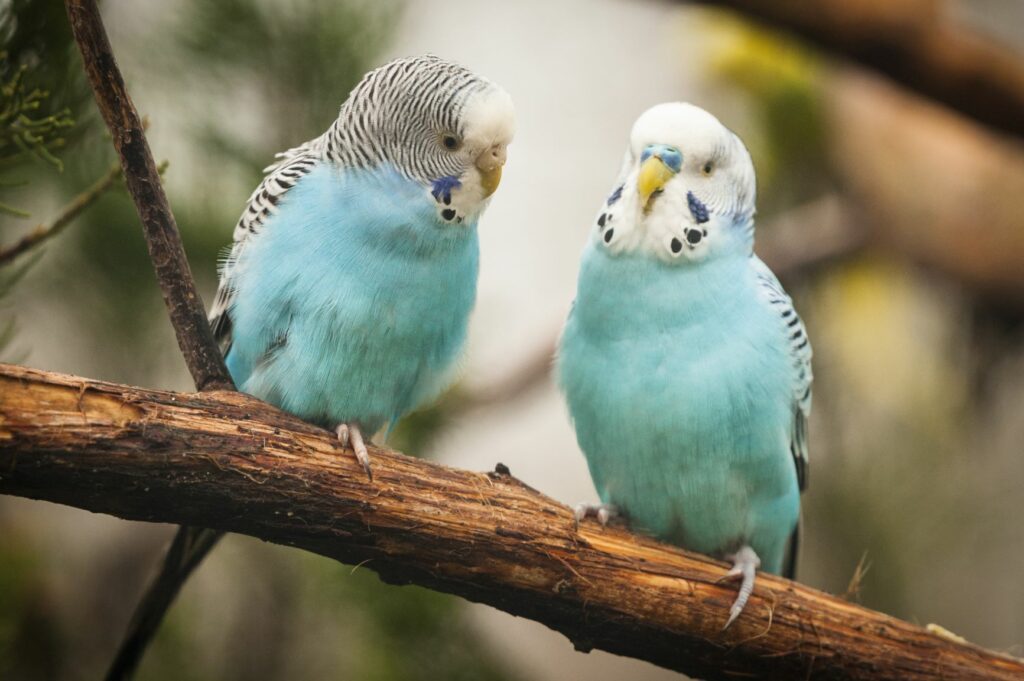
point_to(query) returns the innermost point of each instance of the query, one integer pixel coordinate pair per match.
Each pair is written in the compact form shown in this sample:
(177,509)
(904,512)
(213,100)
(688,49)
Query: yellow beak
(654,173)
(490,163)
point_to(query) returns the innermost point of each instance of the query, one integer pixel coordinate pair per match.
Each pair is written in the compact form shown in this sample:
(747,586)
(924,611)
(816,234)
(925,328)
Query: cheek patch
(442,188)
(616,195)
(698,210)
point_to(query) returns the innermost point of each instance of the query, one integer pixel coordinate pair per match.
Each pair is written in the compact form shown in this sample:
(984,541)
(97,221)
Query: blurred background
(895,223)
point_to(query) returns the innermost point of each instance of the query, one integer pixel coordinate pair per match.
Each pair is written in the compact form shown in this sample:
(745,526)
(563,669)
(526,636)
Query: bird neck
(626,295)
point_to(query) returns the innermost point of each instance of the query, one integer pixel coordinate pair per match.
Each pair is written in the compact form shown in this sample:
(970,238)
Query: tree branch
(44,232)
(227,461)
(183,302)
(184,305)
(915,43)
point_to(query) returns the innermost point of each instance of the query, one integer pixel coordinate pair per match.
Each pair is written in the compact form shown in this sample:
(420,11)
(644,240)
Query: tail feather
(190,546)
(792,551)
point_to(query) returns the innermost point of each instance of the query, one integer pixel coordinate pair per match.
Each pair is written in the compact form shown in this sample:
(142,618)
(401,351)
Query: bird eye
(708,167)
(450,142)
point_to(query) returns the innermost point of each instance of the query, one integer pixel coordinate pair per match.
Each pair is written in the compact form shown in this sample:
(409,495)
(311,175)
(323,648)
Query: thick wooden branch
(186,309)
(227,461)
(916,43)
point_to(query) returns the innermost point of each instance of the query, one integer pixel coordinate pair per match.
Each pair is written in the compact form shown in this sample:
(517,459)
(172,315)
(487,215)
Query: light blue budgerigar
(686,370)
(346,295)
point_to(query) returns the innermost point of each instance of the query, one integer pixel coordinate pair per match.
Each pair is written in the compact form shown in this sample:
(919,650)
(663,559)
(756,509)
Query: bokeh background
(895,223)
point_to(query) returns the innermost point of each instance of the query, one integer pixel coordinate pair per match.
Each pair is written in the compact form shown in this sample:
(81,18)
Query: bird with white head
(684,364)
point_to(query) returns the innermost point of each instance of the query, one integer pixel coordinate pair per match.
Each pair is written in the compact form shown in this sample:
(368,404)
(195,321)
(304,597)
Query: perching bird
(347,292)
(686,370)
(346,295)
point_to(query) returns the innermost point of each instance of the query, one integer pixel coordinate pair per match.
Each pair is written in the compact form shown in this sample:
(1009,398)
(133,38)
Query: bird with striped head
(346,295)
(347,291)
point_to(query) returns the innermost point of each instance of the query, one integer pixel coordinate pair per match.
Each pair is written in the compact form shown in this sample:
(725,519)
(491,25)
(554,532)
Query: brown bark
(226,461)
(186,309)
(184,305)
(914,42)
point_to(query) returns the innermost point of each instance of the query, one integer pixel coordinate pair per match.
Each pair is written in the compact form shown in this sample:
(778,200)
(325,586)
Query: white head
(685,192)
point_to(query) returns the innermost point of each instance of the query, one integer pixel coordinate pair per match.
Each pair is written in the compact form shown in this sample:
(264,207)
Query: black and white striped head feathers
(433,121)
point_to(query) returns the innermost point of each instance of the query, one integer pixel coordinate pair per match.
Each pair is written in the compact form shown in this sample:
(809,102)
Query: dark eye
(450,142)
(708,167)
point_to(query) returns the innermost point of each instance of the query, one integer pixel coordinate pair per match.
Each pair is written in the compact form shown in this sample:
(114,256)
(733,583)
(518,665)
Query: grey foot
(604,512)
(349,434)
(744,566)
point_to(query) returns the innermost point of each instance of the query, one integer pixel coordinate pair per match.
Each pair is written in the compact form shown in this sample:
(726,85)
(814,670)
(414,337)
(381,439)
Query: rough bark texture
(186,309)
(224,460)
(914,42)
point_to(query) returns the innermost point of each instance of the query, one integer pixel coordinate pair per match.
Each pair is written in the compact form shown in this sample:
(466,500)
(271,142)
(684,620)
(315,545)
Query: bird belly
(348,311)
(688,434)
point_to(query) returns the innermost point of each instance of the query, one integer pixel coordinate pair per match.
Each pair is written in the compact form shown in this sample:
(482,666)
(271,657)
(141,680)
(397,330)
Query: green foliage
(22,129)
(38,99)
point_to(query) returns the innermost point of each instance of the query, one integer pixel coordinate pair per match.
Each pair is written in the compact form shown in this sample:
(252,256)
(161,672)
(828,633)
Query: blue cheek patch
(442,188)
(616,195)
(698,210)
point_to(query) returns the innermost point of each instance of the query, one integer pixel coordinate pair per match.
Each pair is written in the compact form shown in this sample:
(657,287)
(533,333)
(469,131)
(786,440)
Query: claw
(342,432)
(579,513)
(744,568)
(349,434)
(603,512)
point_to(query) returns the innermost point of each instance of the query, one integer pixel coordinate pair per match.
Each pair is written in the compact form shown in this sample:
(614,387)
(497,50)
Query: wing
(800,355)
(281,176)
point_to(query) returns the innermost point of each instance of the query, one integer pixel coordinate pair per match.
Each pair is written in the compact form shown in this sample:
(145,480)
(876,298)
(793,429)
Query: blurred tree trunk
(914,42)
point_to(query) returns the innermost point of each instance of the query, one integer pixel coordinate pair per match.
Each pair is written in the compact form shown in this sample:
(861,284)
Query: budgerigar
(346,295)
(686,370)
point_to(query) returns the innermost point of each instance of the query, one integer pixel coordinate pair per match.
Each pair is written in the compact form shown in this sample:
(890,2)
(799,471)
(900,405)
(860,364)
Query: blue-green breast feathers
(680,385)
(352,305)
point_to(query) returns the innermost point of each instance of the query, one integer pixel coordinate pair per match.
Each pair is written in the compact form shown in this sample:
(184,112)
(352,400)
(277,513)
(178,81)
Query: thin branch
(43,232)
(162,238)
(230,462)
(917,44)
(67,215)
(184,305)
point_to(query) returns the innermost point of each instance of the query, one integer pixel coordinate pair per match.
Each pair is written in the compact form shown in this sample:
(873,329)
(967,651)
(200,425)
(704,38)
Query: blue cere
(671,156)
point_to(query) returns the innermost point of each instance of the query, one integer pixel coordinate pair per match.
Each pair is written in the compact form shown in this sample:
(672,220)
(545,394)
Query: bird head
(436,123)
(686,190)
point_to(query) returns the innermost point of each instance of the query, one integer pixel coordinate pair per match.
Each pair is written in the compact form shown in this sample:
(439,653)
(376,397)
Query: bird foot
(744,567)
(603,512)
(350,435)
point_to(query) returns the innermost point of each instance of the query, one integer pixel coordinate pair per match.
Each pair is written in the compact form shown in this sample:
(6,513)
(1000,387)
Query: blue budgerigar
(346,295)
(347,292)
(686,370)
